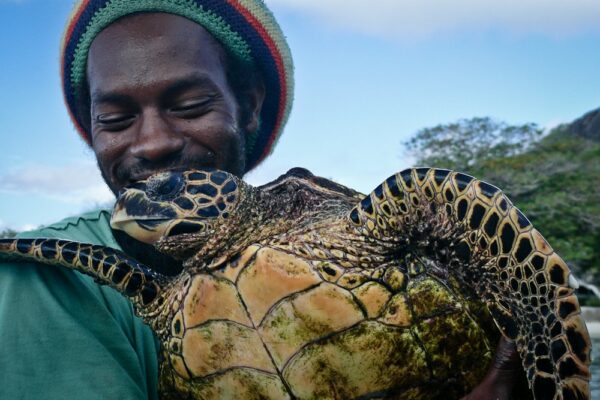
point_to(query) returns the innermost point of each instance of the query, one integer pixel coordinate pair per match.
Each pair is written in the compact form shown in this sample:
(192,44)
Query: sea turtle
(305,289)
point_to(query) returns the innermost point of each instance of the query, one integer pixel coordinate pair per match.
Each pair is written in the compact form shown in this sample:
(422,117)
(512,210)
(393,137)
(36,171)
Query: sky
(368,76)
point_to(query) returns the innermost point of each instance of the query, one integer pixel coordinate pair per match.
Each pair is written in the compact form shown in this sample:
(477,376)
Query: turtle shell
(270,324)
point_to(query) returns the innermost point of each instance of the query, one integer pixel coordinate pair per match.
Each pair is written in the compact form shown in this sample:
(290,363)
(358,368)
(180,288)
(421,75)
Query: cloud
(78,183)
(425,18)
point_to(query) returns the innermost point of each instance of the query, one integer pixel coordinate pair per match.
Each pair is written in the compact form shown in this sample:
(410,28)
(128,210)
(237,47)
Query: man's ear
(254,99)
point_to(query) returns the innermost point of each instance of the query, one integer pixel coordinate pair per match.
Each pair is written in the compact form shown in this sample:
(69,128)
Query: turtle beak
(149,221)
(148,232)
(141,218)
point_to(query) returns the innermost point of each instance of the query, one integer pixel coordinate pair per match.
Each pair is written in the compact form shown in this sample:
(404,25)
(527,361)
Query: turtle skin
(305,289)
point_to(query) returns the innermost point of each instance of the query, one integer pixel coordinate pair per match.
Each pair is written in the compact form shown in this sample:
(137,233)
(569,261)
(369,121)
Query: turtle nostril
(166,186)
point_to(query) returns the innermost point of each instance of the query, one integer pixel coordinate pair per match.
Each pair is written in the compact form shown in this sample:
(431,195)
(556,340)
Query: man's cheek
(105,161)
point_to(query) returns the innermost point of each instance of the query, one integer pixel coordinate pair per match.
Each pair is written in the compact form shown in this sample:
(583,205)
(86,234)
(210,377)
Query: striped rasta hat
(245,28)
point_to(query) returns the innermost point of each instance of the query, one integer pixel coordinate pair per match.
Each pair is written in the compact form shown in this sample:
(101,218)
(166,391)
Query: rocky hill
(587,127)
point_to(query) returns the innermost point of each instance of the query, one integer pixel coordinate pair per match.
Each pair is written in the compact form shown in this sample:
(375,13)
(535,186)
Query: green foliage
(469,142)
(555,181)
(589,301)
(7,233)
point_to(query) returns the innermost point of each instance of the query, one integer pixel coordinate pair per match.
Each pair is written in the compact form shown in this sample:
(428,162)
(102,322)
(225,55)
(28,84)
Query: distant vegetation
(554,179)
(7,233)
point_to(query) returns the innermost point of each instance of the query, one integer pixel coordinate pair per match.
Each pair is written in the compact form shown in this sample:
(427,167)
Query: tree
(7,233)
(466,143)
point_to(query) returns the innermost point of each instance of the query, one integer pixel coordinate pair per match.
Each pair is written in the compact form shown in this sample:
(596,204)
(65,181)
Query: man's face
(160,100)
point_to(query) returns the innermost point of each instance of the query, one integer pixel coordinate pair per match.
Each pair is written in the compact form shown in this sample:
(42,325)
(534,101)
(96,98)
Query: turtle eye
(165,186)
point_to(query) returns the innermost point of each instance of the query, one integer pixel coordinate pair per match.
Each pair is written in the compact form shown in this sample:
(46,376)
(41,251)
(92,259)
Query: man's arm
(502,376)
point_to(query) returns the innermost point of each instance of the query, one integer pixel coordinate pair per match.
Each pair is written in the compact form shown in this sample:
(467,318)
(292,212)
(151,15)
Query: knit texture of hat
(245,28)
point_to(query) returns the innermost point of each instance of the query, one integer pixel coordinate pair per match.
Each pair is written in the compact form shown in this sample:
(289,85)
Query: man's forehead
(142,48)
(145,34)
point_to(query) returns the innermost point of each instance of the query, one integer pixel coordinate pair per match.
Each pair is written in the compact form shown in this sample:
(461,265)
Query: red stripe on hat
(66,40)
(280,68)
(75,18)
(71,28)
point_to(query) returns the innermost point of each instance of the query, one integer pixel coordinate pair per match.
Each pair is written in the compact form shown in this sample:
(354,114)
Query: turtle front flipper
(106,265)
(484,241)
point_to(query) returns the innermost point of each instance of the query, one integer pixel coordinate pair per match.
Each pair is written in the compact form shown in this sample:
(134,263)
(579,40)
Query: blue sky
(368,76)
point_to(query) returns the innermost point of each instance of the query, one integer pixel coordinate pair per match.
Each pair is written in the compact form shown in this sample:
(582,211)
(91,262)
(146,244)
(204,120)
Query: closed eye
(115,121)
(191,108)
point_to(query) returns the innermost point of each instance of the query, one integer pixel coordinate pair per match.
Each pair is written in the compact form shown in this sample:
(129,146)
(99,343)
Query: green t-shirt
(62,336)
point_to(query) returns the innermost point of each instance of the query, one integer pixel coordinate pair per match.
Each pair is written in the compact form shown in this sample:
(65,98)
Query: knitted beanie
(245,28)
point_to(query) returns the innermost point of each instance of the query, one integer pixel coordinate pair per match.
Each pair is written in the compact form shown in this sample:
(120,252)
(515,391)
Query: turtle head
(174,203)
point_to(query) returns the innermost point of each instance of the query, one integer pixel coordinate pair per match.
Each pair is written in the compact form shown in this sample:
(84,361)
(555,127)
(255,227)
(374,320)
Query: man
(151,85)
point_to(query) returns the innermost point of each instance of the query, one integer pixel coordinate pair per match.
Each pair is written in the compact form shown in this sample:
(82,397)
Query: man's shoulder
(90,227)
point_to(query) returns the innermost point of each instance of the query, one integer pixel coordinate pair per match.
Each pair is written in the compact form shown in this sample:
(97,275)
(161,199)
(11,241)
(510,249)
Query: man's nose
(156,140)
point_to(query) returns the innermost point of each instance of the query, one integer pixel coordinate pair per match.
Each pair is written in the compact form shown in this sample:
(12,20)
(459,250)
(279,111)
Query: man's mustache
(142,169)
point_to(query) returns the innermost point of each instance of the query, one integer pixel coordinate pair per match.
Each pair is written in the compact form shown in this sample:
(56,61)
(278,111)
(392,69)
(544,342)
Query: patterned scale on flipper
(493,247)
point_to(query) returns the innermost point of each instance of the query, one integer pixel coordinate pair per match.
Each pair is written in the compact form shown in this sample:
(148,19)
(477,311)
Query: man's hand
(502,376)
